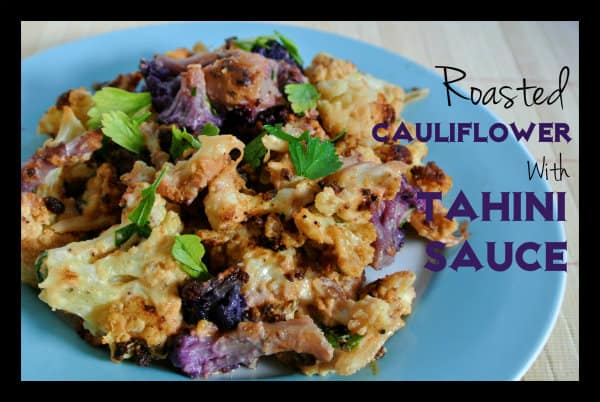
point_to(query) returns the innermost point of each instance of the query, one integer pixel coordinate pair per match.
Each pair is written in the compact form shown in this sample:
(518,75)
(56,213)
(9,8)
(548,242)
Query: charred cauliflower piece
(353,101)
(76,101)
(375,316)
(183,182)
(121,294)
(37,234)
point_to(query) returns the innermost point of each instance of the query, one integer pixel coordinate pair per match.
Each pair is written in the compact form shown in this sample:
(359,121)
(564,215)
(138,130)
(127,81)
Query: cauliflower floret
(37,234)
(69,128)
(326,67)
(351,242)
(440,228)
(360,184)
(76,101)
(101,199)
(354,101)
(226,205)
(183,181)
(430,178)
(120,294)
(376,316)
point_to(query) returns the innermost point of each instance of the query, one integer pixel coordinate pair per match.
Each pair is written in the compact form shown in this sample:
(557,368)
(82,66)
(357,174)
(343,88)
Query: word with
(558,171)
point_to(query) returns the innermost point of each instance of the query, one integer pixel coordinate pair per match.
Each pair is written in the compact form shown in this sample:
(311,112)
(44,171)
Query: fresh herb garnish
(302,97)
(110,99)
(180,141)
(194,91)
(140,215)
(210,106)
(255,151)
(124,130)
(263,41)
(291,47)
(188,250)
(312,158)
(338,137)
(41,275)
(210,129)
(340,337)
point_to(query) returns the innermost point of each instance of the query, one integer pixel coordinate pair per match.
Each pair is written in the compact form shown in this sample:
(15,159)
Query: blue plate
(465,325)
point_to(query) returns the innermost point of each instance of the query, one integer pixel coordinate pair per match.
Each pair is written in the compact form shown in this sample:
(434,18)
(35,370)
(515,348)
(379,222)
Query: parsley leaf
(141,213)
(340,337)
(188,250)
(291,47)
(39,263)
(124,130)
(139,217)
(248,44)
(338,137)
(123,234)
(255,151)
(211,107)
(114,99)
(210,129)
(312,158)
(302,97)
(180,141)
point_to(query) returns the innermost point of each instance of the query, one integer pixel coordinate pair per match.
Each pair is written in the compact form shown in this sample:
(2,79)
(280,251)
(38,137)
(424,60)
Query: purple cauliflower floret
(162,80)
(241,122)
(218,300)
(388,217)
(191,108)
(204,356)
(274,50)
(205,352)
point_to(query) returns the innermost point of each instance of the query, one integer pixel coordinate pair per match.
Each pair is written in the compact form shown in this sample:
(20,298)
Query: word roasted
(531,94)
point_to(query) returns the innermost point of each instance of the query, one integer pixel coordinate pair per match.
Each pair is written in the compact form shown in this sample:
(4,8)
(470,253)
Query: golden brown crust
(79,100)
(431,178)
(179,53)
(36,235)
(183,181)
(376,316)
(440,228)
(325,67)
(136,317)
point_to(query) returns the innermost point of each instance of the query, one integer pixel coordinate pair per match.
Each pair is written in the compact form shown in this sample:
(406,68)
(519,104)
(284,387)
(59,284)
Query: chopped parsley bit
(255,151)
(140,216)
(180,141)
(302,97)
(39,262)
(291,47)
(338,137)
(210,129)
(110,99)
(374,368)
(311,157)
(212,109)
(340,337)
(194,91)
(124,130)
(188,250)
